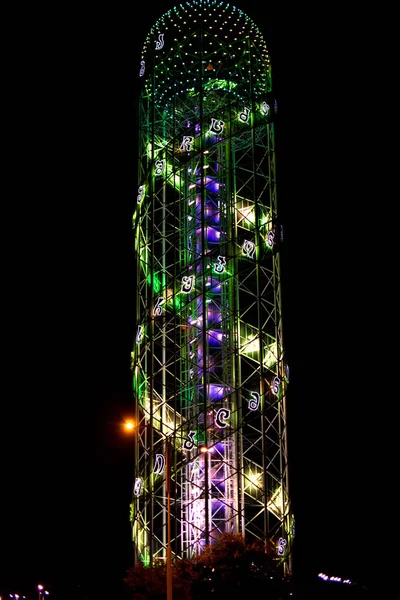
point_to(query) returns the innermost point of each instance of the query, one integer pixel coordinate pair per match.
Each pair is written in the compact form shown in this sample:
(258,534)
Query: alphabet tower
(208,361)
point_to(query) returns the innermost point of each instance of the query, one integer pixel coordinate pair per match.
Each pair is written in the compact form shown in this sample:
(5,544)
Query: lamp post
(131,426)
(168,482)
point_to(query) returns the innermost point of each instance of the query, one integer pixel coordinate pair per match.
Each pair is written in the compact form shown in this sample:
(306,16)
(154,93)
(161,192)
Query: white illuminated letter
(159,166)
(139,334)
(255,402)
(248,248)
(157,310)
(275,385)
(142,69)
(219,267)
(270,238)
(244,116)
(265,108)
(187,283)
(186,143)
(216,126)
(159,464)
(140,193)
(160,42)
(222,414)
(189,443)
(137,488)
(281,546)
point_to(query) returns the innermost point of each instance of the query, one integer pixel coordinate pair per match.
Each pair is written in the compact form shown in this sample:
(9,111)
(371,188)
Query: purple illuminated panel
(214,338)
(213,285)
(213,235)
(212,185)
(214,315)
(215,392)
(212,213)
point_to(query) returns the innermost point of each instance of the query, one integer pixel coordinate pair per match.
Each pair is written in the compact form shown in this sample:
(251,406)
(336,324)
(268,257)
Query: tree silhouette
(231,565)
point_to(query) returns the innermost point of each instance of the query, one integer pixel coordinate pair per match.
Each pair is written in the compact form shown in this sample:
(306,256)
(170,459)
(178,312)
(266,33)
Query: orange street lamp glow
(129,425)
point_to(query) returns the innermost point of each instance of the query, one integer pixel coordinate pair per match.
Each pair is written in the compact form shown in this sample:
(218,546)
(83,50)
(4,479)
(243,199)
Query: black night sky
(68,298)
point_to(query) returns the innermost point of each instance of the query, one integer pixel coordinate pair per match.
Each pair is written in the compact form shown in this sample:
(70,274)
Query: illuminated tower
(209,371)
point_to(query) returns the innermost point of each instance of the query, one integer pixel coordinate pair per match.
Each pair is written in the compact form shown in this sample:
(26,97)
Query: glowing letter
(244,116)
(219,267)
(187,283)
(186,143)
(248,248)
(159,167)
(159,464)
(157,310)
(137,488)
(139,334)
(281,546)
(140,193)
(270,238)
(222,413)
(189,443)
(255,402)
(216,126)
(142,69)
(275,385)
(160,42)
(265,108)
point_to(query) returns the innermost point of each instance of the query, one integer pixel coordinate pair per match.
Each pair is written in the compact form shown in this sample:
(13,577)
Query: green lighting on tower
(208,362)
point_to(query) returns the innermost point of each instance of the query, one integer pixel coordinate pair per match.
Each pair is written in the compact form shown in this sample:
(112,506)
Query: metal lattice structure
(209,371)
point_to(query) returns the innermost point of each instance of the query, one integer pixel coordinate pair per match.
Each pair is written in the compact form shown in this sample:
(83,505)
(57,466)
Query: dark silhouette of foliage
(231,565)
(149,583)
(146,582)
